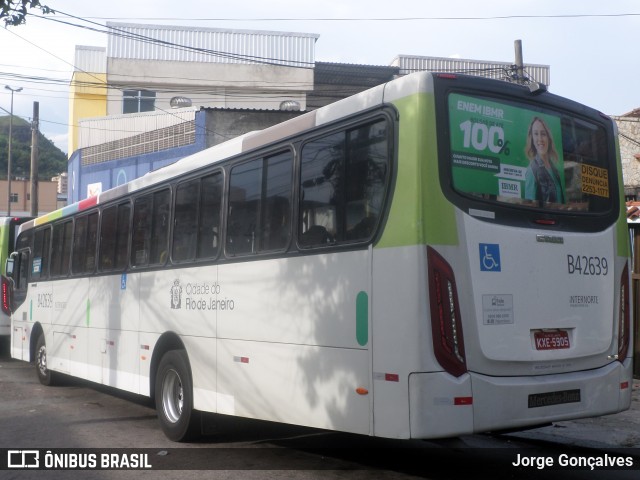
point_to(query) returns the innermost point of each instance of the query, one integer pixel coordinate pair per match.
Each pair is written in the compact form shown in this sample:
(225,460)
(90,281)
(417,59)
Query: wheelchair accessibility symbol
(490,257)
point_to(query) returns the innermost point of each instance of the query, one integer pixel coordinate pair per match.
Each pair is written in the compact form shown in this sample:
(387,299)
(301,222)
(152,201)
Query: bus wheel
(46,376)
(174,397)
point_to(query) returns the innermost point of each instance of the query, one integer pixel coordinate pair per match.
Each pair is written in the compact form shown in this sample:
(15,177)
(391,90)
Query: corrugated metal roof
(96,131)
(90,59)
(210,45)
(351,74)
(489,69)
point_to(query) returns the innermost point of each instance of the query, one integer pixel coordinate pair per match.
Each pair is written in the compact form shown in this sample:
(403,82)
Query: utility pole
(519,66)
(34,159)
(19,89)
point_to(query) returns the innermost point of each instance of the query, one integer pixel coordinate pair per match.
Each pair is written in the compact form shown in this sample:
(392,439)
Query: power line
(117,32)
(368,19)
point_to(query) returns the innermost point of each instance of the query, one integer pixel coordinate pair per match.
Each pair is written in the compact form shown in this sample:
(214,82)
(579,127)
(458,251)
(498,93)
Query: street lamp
(19,89)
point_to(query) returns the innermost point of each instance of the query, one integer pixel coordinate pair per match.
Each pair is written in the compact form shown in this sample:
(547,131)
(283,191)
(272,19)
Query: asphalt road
(80,422)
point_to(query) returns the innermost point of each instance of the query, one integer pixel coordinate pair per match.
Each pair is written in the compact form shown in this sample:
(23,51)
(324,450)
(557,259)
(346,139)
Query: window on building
(135,101)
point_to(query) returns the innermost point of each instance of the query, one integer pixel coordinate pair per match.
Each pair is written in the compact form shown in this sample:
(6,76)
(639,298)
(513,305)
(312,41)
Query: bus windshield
(510,153)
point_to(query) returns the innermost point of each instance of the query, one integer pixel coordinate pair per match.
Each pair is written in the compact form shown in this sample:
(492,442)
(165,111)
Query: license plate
(537,400)
(551,340)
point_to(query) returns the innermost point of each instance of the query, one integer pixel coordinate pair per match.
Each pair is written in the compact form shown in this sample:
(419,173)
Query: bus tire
(46,376)
(174,397)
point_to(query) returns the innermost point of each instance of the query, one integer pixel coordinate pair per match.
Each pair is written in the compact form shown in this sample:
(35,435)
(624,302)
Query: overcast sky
(590,45)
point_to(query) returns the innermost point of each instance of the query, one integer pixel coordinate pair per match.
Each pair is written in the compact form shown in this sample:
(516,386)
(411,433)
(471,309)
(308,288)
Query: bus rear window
(511,154)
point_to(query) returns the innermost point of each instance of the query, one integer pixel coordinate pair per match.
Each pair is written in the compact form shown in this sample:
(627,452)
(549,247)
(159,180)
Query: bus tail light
(446,326)
(5,287)
(624,316)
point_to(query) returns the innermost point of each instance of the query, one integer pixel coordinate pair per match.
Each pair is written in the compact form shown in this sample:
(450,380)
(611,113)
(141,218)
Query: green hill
(52,161)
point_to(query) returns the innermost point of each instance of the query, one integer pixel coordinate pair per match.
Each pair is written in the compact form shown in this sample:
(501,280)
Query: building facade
(21,197)
(629,137)
(158,93)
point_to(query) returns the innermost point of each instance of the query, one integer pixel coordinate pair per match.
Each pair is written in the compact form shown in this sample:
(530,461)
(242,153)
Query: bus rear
(510,278)
(530,308)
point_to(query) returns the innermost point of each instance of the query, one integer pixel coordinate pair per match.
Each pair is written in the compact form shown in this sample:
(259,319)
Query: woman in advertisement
(542,180)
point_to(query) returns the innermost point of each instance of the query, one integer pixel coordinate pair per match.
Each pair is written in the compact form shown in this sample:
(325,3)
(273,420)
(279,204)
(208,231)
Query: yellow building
(88,90)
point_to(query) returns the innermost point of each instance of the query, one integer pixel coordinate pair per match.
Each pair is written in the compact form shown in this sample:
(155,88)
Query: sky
(589,45)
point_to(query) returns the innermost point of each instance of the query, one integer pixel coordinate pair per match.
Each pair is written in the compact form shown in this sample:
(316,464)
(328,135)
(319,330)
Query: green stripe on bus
(622,234)
(419,213)
(362,318)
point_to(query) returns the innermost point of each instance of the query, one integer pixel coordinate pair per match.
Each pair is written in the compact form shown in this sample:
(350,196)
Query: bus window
(160,228)
(122,240)
(260,205)
(185,224)
(108,226)
(209,225)
(276,214)
(244,204)
(114,236)
(84,244)
(150,229)
(343,181)
(40,260)
(61,248)
(141,231)
(535,158)
(197,219)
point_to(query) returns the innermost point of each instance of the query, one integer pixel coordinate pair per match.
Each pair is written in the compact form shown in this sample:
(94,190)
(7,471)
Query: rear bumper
(442,405)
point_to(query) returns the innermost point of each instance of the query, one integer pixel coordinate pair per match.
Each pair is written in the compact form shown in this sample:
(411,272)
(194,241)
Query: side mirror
(8,267)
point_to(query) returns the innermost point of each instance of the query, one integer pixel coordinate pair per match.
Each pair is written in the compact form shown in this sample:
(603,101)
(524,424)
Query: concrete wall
(209,85)
(223,125)
(47,197)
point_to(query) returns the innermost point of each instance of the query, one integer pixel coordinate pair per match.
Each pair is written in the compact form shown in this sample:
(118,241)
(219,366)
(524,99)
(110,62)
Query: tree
(14,12)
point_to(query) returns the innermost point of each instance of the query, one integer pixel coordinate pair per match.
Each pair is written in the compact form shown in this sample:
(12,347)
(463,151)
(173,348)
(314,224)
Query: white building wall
(215,68)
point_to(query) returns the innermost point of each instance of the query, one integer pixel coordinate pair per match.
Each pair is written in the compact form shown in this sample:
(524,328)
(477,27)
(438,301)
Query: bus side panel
(37,308)
(401,338)
(19,341)
(293,346)
(112,316)
(185,302)
(308,300)
(202,352)
(438,408)
(299,384)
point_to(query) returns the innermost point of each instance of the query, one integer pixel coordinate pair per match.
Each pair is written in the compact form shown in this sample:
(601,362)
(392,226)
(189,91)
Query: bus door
(19,262)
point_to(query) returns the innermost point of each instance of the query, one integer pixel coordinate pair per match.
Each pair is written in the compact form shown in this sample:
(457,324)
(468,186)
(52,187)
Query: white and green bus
(8,231)
(439,255)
